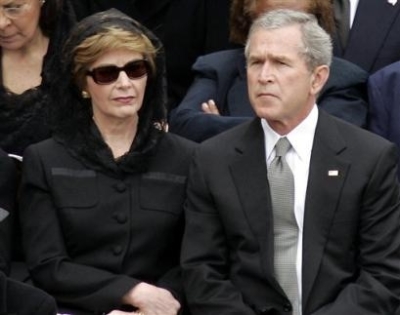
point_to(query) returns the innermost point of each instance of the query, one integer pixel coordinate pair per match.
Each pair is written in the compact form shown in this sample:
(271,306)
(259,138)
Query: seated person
(34,31)
(102,200)
(8,193)
(218,99)
(384,96)
(15,297)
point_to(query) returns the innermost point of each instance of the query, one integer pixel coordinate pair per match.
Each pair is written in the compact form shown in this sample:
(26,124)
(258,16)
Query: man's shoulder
(351,134)
(220,59)
(231,137)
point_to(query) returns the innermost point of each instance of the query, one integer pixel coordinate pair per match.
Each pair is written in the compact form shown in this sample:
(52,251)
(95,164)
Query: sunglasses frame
(114,71)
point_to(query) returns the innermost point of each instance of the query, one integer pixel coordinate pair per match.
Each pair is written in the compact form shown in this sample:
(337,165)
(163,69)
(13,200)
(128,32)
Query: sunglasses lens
(108,74)
(136,69)
(104,75)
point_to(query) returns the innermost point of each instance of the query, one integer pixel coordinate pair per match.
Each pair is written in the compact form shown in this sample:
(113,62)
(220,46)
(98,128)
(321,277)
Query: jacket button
(117,250)
(120,187)
(120,217)
(287,307)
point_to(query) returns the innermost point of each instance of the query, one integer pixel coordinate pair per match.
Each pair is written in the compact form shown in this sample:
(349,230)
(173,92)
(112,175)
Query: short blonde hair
(109,39)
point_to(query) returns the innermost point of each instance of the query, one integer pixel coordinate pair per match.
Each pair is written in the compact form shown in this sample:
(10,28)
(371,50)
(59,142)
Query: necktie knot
(282,147)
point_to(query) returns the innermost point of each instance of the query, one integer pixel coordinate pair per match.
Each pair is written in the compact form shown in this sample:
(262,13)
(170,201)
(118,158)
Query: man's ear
(318,79)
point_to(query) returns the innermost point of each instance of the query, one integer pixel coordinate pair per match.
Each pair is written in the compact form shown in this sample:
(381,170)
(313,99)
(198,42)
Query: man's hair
(317,44)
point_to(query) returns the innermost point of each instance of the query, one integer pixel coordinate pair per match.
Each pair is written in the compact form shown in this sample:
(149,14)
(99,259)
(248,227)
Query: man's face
(281,87)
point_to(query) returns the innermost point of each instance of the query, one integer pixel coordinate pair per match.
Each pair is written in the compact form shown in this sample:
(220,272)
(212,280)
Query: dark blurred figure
(15,297)
(8,193)
(31,35)
(187,28)
(371,32)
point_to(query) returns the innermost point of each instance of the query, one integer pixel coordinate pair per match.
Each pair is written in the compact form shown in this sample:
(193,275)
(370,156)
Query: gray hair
(317,43)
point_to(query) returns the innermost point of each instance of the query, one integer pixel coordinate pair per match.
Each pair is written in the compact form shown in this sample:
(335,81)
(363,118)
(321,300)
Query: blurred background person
(102,201)
(218,98)
(367,32)
(8,194)
(31,36)
(384,96)
(15,297)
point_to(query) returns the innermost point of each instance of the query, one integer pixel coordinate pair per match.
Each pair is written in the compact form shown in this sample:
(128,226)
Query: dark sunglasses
(109,74)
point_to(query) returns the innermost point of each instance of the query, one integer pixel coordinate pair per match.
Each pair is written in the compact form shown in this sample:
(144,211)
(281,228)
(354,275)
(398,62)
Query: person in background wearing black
(31,36)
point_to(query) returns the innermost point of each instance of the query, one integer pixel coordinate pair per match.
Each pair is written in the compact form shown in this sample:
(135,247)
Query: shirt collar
(301,138)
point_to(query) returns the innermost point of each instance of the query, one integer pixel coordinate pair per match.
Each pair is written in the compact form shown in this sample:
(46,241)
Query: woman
(187,28)
(218,100)
(102,201)
(31,34)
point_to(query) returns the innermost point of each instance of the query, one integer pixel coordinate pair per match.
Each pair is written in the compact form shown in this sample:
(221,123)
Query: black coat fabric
(21,299)
(94,226)
(24,118)
(351,237)
(8,193)
(91,235)
(187,28)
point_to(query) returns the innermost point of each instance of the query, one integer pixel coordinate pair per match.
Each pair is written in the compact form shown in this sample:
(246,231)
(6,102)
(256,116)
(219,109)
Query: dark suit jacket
(374,40)
(8,194)
(384,95)
(222,76)
(17,298)
(351,238)
(91,236)
(187,28)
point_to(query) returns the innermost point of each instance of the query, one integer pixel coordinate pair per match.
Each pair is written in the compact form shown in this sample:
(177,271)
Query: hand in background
(209,107)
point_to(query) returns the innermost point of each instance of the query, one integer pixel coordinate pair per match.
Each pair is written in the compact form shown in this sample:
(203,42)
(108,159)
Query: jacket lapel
(253,189)
(326,178)
(368,20)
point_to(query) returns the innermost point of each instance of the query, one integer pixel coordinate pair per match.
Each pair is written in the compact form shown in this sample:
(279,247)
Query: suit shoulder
(228,138)
(359,136)
(219,59)
(390,73)
(345,70)
(174,145)
(174,140)
(47,145)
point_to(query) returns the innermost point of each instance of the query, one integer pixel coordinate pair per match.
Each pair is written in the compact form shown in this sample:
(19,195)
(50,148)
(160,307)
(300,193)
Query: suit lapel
(326,178)
(368,20)
(253,189)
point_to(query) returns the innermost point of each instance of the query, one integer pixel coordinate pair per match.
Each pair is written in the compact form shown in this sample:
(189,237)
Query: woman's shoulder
(175,141)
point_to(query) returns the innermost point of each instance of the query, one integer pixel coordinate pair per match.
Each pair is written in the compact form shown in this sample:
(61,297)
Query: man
(374,40)
(342,251)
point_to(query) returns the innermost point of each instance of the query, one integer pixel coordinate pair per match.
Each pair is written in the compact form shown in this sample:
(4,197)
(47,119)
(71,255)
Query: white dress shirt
(298,157)
(353,9)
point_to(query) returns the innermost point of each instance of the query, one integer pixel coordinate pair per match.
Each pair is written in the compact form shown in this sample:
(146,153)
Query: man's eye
(13,8)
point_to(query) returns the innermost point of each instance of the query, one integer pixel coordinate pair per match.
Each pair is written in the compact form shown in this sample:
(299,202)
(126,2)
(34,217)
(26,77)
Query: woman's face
(262,6)
(19,23)
(119,100)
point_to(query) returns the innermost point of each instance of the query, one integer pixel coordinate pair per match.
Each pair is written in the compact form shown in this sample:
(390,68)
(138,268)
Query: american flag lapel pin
(392,2)
(333,173)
